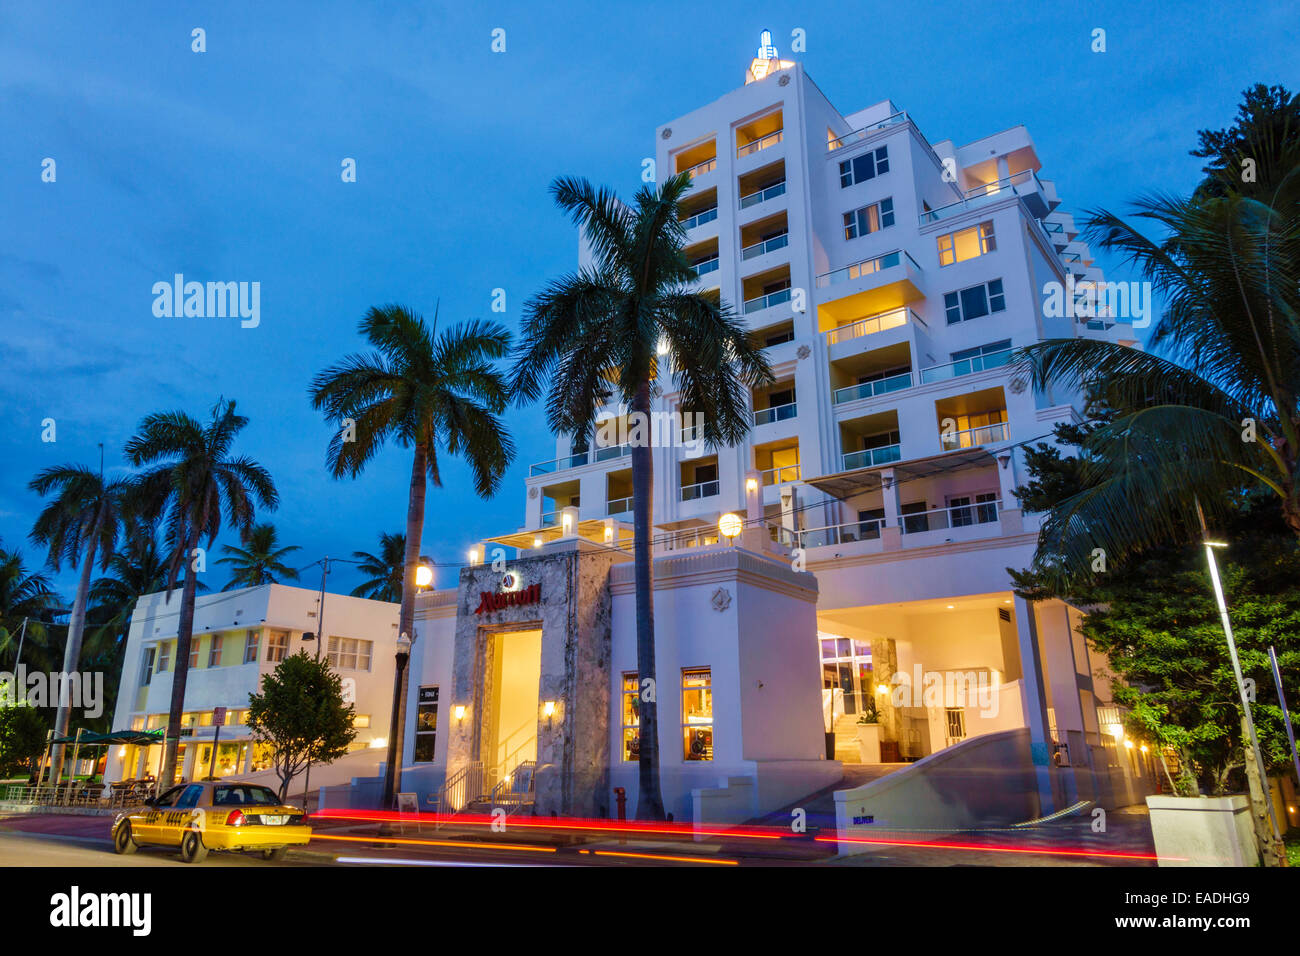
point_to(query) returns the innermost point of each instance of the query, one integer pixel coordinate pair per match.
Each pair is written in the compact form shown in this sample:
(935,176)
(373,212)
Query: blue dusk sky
(225,166)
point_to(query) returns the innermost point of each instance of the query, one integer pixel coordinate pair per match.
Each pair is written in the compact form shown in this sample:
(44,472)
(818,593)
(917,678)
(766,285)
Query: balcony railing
(763,195)
(767,245)
(974,437)
(619,506)
(610,452)
(557,464)
(871,324)
(775,413)
(848,139)
(764,301)
(550,518)
(780,475)
(700,218)
(873,388)
(1023,183)
(966,366)
(699,169)
(840,533)
(870,457)
(771,139)
(705,266)
(703,489)
(865,268)
(954,516)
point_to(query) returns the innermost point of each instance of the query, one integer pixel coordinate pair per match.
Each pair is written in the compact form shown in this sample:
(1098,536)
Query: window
(195,643)
(146,672)
(914,517)
(869,219)
(976,355)
(963,514)
(426,723)
(966,244)
(242,794)
(881,440)
(169,798)
(697,713)
(164,656)
(631,710)
(277,645)
(869,165)
(214,650)
(870,522)
(190,798)
(978,300)
(776,338)
(250,647)
(348,653)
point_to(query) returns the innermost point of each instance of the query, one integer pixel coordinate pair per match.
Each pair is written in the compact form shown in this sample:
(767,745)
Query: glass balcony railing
(1023,183)
(765,301)
(619,506)
(865,268)
(848,139)
(840,533)
(870,457)
(700,218)
(880,386)
(873,323)
(699,169)
(550,519)
(771,139)
(610,452)
(780,475)
(777,413)
(705,266)
(704,489)
(558,464)
(975,437)
(766,246)
(763,195)
(954,516)
(966,366)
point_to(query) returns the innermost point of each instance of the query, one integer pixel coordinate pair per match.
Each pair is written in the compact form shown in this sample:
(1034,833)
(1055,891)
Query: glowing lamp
(379,743)
(460,711)
(548,709)
(751,484)
(423,576)
(730,525)
(537,542)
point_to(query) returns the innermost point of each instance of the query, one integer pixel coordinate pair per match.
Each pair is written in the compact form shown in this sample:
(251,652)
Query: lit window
(974,302)
(631,717)
(966,244)
(164,656)
(250,647)
(869,219)
(214,651)
(348,653)
(869,165)
(146,672)
(697,714)
(277,645)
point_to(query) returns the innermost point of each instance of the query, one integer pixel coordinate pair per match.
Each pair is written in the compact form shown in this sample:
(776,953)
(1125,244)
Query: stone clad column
(884,664)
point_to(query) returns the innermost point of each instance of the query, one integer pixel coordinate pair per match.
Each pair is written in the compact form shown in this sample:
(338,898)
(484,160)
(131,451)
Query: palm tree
(193,482)
(426,391)
(24,596)
(80,524)
(385,569)
(1216,408)
(259,561)
(602,330)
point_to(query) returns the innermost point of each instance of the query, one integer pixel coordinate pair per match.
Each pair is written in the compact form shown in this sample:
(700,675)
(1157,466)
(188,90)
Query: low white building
(239,636)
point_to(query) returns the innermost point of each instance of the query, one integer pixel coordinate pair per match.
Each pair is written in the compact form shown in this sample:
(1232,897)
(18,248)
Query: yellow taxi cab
(213,815)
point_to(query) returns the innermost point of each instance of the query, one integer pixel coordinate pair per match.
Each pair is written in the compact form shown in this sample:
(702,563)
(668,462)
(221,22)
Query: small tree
(302,715)
(22,736)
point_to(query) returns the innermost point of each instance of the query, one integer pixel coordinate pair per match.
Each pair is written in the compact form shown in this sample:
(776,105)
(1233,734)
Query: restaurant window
(277,645)
(164,656)
(426,724)
(250,647)
(967,244)
(697,713)
(214,650)
(349,653)
(631,711)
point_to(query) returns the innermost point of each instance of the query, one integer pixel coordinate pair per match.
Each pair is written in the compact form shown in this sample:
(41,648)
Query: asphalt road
(23,849)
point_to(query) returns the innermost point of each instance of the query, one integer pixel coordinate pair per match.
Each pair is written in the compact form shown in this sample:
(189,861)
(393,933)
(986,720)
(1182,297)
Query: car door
(147,824)
(175,819)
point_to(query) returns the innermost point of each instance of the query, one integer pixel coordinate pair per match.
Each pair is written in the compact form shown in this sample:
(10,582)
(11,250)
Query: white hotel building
(889,278)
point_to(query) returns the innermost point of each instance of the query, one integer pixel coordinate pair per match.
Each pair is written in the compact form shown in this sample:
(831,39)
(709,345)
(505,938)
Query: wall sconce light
(1004,460)
(566,522)
(459,712)
(751,484)
(537,541)
(473,557)
(609,533)
(548,709)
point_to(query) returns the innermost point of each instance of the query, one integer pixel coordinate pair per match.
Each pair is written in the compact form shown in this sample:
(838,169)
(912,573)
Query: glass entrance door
(846,672)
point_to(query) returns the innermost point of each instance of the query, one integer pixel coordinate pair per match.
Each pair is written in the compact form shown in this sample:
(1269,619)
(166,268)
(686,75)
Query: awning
(846,484)
(138,737)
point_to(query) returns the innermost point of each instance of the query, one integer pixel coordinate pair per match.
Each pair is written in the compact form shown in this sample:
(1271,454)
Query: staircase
(846,739)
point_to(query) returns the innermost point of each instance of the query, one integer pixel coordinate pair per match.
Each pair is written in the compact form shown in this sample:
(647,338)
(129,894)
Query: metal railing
(766,246)
(557,464)
(763,195)
(763,142)
(610,452)
(966,366)
(845,533)
(619,506)
(857,135)
(764,301)
(703,489)
(954,516)
(974,437)
(1023,183)
(870,457)
(880,386)
(780,474)
(865,268)
(95,796)
(776,413)
(550,518)
(700,218)
(705,266)
(699,169)
(463,787)
(869,325)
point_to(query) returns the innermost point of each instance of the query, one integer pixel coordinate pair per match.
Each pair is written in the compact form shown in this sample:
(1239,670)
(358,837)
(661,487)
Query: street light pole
(320,637)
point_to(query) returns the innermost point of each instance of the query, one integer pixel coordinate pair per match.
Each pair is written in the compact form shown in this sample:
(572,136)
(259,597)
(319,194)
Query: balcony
(779,413)
(837,534)
(618,506)
(704,489)
(763,142)
(872,324)
(780,475)
(966,366)
(858,135)
(871,457)
(766,301)
(704,266)
(954,516)
(866,267)
(766,246)
(700,218)
(699,169)
(612,452)
(1023,184)
(557,464)
(763,195)
(975,437)
(880,386)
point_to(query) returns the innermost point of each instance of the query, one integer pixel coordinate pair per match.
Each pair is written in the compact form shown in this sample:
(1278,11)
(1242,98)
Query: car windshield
(243,794)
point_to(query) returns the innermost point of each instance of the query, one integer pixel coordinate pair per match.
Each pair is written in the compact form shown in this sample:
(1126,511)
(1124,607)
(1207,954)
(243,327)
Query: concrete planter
(1203,831)
(869,743)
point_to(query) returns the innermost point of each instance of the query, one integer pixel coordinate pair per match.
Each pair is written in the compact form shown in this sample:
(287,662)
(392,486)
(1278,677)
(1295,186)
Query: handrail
(765,246)
(965,366)
(775,413)
(854,136)
(705,266)
(870,457)
(699,169)
(570,461)
(983,194)
(763,195)
(974,437)
(859,269)
(847,532)
(780,474)
(871,324)
(700,490)
(763,142)
(611,510)
(953,516)
(880,386)
(701,217)
(765,301)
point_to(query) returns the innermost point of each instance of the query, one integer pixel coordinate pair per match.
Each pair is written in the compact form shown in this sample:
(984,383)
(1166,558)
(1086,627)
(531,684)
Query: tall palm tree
(24,596)
(193,482)
(1215,407)
(80,524)
(426,391)
(259,561)
(385,569)
(601,331)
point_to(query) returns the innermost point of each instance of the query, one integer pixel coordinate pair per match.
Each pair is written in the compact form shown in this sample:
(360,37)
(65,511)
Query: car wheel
(192,848)
(122,841)
(278,854)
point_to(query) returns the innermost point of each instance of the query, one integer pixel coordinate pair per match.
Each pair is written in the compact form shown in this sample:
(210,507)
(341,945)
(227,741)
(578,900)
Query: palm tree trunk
(184,635)
(72,649)
(650,802)
(406,619)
